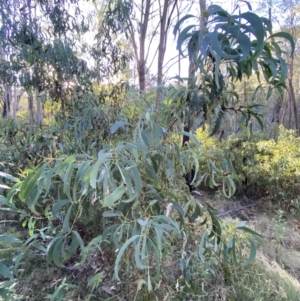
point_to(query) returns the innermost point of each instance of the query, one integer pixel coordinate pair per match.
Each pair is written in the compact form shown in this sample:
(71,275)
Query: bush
(269,166)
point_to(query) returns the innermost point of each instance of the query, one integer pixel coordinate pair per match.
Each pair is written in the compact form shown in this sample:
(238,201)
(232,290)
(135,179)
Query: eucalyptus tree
(147,25)
(45,53)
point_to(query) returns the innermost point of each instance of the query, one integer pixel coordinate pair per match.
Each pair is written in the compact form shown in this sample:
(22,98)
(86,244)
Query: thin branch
(237,210)
(152,60)
(150,42)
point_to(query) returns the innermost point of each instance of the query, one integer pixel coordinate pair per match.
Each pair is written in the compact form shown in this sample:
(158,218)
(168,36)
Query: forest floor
(276,269)
(280,229)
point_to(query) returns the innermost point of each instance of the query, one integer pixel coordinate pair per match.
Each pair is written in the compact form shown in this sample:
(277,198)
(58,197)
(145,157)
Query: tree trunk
(15,103)
(179,61)
(30,109)
(293,103)
(192,71)
(39,110)
(142,60)
(7,101)
(162,49)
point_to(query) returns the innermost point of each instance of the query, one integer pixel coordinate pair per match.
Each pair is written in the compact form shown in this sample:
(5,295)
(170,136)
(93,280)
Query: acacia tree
(285,13)
(231,47)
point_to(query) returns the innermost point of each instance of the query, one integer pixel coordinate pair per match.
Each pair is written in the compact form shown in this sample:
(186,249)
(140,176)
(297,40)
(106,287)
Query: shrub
(266,165)
(127,202)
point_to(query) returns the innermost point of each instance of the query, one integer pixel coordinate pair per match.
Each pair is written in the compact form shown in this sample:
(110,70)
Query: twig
(236,210)
(8,221)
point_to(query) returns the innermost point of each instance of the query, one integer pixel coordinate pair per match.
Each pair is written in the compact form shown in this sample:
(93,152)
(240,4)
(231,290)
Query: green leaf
(49,248)
(138,255)
(286,36)
(56,253)
(217,124)
(256,28)
(216,46)
(9,177)
(93,173)
(112,214)
(29,184)
(193,137)
(117,125)
(10,239)
(252,253)
(58,205)
(72,248)
(79,179)
(216,228)
(259,120)
(250,231)
(176,27)
(150,172)
(111,199)
(66,224)
(182,37)
(216,9)
(120,254)
(80,241)
(67,181)
(157,261)
(5,271)
(202,248)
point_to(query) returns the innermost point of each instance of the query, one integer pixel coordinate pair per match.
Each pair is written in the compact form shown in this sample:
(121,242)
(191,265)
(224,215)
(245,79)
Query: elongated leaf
(250,231)
(176,27)
(117,125)
(58,205)
(216,9)
(79,239)
(138,254)
(252,253)
(9,177)
(67,181)
(258,29)
(157,252)
(216,46)
(66,224)
(120,254)
(56,253)
(217,124)
(10,239)
(93,173)
(30,182)
(284,35)
(182,37)
(5,271)
(50,248)
(150,172)
(72,248)
(112,198)
(202,248)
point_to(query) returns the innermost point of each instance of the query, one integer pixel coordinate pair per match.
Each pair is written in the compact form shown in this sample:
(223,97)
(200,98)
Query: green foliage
(270,165)
(229,48)
(104,180)
(119,195)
